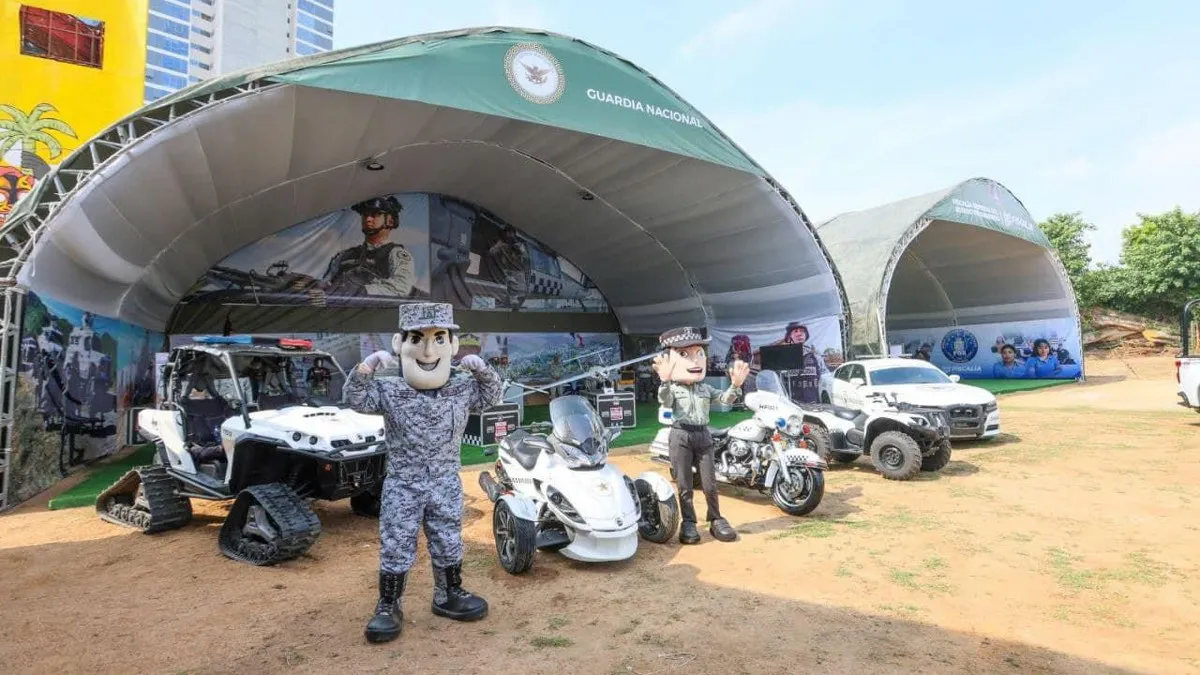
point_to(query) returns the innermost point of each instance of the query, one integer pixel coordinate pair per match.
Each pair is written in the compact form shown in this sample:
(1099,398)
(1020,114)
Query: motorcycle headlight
(795,426)
(563,505)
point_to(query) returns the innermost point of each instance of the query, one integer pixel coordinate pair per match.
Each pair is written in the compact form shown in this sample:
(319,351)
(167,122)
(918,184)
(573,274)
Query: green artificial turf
(100,477)
(647,427)
(1010,386)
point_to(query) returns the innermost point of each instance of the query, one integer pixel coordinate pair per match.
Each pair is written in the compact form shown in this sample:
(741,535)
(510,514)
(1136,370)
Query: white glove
(374,361)
(472,363)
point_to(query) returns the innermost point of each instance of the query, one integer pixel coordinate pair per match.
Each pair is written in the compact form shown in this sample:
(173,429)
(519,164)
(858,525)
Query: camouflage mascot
(682,369)
(426,414)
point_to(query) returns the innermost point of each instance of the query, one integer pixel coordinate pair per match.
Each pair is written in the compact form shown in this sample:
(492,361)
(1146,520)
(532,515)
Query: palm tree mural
(29,130)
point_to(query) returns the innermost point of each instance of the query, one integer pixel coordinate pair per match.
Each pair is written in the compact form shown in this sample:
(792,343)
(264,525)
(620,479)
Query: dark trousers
(692,448)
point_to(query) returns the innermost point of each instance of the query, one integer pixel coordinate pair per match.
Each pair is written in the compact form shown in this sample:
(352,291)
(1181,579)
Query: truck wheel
(938,460)
(896,455)
(516,539)
(820,441)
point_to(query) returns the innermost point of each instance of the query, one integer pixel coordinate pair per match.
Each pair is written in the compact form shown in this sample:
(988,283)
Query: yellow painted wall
(86,99)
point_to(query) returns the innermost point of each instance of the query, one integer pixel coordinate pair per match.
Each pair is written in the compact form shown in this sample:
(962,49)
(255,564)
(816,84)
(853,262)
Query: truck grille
(965,418)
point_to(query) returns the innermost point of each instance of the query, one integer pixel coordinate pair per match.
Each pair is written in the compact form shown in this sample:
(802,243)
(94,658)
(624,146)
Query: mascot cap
(678,338)
(422,315)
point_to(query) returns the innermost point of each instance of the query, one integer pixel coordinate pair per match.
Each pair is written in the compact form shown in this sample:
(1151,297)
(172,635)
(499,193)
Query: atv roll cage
(192,368)
(1186,343)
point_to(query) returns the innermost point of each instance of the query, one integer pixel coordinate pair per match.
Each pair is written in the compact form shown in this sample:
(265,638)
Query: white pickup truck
(1187,365)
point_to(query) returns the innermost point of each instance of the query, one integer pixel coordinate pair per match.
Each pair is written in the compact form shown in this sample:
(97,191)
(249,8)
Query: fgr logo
(959,345)
(534,73)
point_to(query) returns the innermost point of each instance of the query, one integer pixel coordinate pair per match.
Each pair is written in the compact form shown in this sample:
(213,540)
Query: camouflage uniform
(424,437)
(424,430)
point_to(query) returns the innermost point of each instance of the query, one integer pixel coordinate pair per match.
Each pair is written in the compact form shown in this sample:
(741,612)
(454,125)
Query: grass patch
(818,529)
(556,622)
(900,610)
(555,642)
(1020,536)
(917,581)
(1138,568)
(1063,568)
(904,519)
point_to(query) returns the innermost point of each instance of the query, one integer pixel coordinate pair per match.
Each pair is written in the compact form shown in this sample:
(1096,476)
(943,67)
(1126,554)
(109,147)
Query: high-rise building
(192,40)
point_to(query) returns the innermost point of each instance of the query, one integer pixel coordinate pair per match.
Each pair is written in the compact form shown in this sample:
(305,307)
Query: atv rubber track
(298,526)
(163,509)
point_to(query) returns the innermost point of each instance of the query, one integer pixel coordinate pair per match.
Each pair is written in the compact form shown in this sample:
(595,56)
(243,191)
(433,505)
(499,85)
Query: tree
(1067,233)
(1162,256)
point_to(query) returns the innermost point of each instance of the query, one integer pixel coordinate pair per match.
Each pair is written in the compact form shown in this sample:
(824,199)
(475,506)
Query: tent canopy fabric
(970,253)
(684,228)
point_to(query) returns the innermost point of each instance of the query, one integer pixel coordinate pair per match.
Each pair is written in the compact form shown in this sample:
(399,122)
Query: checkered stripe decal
(546,285)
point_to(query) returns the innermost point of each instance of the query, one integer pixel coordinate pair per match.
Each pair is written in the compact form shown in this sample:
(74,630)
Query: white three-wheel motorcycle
(765,452)
(556,492)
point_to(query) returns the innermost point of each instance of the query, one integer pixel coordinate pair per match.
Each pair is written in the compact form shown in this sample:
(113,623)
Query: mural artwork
(78,374)
(22,136)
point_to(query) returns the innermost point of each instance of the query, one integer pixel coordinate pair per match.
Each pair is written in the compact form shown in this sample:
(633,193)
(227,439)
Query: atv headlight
(563,505)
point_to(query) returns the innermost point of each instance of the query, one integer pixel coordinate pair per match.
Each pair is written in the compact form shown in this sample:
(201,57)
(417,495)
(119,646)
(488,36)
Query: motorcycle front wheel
(804,495)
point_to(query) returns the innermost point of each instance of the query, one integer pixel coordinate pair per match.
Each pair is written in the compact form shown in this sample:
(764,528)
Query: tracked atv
(233,425)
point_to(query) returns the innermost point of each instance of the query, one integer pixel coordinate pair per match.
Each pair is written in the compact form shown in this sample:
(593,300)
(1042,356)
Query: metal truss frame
(21,232)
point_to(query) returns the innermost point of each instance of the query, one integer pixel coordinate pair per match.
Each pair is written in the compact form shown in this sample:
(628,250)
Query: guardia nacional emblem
(534,73)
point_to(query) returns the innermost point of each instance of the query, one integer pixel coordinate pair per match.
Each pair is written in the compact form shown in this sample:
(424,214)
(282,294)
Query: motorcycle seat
(524,448)
(836,410)
(718,434)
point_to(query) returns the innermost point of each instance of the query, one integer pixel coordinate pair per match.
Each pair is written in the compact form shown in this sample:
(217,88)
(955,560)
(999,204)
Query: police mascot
(425,414)
(682,367)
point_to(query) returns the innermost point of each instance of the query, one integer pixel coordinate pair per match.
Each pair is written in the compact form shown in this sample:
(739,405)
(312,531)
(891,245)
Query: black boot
(688,534)
(451,601)
(721,530)
(389,618)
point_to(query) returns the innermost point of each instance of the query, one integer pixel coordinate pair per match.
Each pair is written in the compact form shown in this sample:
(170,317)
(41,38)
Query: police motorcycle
(554,490)
(766,452)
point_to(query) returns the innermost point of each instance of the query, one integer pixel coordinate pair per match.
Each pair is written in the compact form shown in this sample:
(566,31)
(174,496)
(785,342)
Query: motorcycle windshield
(577,424)
(768,381)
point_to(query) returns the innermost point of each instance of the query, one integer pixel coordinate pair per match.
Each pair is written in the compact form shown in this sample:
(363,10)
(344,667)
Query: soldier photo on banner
(479,261)
(801,351)
(371,254)
(77,376)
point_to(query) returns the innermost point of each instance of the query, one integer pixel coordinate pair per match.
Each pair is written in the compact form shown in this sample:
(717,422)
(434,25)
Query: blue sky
(1074,106)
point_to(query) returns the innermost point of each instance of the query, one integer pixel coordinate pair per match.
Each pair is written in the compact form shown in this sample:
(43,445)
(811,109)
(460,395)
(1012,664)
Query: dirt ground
(1069,545)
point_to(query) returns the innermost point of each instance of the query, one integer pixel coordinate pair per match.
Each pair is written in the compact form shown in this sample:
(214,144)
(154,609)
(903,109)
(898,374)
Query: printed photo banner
(401,247)
(800,351)
(482,262)
(1047,349)
(78,374)
(529,358)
